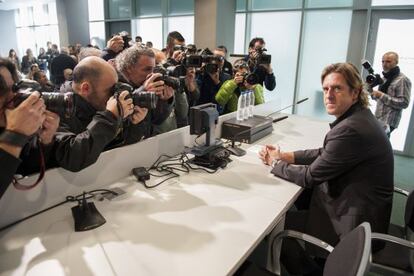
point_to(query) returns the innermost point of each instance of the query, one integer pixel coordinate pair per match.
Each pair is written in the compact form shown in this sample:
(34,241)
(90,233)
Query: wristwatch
(13,138)
(275,162)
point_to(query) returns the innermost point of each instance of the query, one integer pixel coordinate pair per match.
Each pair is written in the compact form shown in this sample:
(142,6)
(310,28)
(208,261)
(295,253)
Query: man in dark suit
(352,174)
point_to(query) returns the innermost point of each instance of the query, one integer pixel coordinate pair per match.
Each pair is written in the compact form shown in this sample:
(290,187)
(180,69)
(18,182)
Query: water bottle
(247,104)
(251,103)
(241,103)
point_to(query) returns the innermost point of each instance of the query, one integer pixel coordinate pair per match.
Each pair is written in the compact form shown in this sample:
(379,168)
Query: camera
(168,75)
(59,103)
(262,57)
(372,79)
(211,62)
(140,98)
(250,78)
(126,37)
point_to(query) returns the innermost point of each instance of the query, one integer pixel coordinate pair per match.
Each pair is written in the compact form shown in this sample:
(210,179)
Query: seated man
(230,91)
(17,124)
(352,174)
(45,84)
(97,122)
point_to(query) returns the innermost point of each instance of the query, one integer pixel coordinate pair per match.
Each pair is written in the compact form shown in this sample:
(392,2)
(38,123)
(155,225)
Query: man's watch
(275,162)
(13,138)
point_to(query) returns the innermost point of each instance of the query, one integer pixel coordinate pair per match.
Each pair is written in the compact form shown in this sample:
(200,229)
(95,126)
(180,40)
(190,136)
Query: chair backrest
(351,256)
(409,212)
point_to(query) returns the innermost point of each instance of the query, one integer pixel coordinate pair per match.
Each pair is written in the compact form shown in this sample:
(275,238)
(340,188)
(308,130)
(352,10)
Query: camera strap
(22,187)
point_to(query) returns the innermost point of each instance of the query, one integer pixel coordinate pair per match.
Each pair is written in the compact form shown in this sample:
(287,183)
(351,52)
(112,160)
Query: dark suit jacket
(351,176)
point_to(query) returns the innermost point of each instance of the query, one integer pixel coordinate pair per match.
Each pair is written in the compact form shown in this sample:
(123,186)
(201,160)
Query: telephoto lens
(145,99)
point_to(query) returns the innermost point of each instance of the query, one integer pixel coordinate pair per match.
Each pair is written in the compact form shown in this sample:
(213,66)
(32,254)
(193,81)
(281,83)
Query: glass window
(241,5)
(52,13)
(54,34)
(96,10)
(117,27)
(328,3)
(326,36)
(97,34)
(276,4)
(149,7)
(40,13)
(150,29)
(184,25)
(25,17)
(119,9)
(392,2)
(239,33)
(284,51)
(181,7)
(26,40)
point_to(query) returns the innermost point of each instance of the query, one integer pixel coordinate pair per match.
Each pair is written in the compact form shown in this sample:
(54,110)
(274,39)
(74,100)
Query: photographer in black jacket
(263,71)
(98,120)
(135,66)
(18,124)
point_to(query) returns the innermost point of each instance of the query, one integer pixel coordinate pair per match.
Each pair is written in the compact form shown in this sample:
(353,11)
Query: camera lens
(145,99)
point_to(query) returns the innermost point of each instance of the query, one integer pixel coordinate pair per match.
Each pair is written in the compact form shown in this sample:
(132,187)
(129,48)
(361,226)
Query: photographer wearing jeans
(258,65)
(18,124)
(394,94)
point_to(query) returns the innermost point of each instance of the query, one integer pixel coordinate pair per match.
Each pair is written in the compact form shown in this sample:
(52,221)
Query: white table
(198,224)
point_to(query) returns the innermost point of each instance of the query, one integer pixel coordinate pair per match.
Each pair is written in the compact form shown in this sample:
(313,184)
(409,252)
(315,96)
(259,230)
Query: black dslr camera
(372,79)
(126,37)
(250,78)
(167,76)
(59,103)
(262,57)
(140,98)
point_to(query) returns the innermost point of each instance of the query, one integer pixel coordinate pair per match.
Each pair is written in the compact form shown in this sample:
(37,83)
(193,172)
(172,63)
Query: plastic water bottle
(241,104)
(247,104)
(251,103)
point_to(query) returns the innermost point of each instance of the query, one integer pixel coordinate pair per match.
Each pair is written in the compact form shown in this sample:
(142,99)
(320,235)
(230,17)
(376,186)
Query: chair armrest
(277,242)
(389,238)
(401,191)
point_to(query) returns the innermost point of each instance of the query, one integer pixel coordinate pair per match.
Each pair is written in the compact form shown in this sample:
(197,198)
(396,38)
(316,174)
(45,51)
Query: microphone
(286,107)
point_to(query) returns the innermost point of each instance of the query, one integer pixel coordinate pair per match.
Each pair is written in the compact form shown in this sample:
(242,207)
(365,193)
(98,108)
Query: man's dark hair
(174,36)
(5,63)
(138,38)
(222,48)
(254,40)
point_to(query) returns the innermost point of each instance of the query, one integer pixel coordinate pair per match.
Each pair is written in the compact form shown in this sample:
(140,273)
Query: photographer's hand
(190,82)
(238,78)
(377,94)
(166,94)
(138,115)
(126,105)
(49,127)
(215,77)
(178,56)
(116,43)
(28,117)
(268,68)
(153,86)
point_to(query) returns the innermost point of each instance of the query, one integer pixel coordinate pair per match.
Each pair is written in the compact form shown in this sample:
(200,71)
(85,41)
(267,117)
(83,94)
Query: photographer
(209,81)
(263,71)
(394,95)
(174,57)
(113,47)
(230,91)
(222,51)
(41,78)
(135,66)
(98,117)
(17,124)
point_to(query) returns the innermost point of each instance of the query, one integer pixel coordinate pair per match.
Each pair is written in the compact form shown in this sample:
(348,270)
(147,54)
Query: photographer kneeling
(231,90)
(18,124)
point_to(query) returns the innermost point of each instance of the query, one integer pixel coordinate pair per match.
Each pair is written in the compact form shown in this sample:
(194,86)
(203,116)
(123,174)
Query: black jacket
(351,176)
(208,89)
(81,139)
(58,65)
(8,164)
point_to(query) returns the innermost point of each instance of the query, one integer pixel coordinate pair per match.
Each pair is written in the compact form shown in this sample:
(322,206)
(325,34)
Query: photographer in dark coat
(17,125)
(135,67)
(98,119)
(263,71)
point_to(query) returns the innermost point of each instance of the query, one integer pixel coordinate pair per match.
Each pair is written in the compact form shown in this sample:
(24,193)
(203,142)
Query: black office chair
(397,255)
(350,257)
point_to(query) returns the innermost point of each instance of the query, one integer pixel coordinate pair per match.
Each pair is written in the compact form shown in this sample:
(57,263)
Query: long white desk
(197,224)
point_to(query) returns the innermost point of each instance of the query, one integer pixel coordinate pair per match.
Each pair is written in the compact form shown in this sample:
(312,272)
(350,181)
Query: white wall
(7,33)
